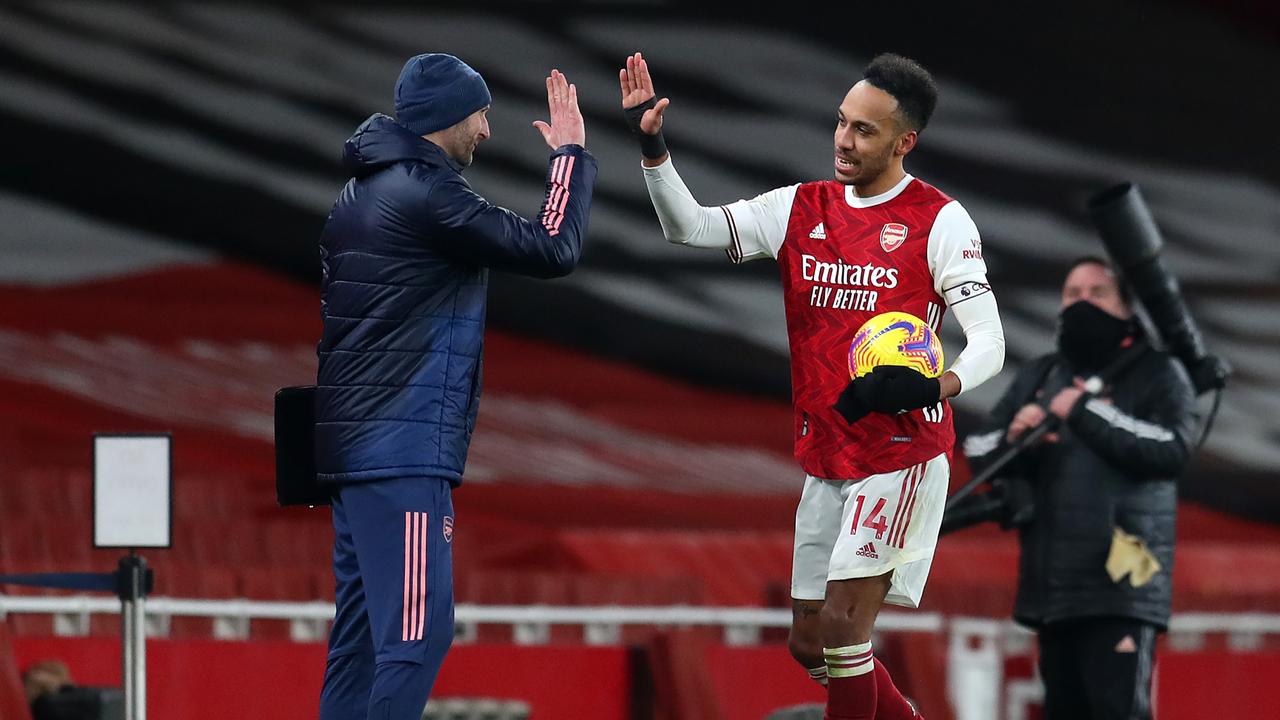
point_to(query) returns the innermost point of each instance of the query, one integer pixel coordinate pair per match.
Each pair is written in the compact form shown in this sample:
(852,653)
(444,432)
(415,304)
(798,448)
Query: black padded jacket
(1117,464)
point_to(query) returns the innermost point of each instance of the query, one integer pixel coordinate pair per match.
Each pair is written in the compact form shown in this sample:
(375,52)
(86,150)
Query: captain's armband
(965,291)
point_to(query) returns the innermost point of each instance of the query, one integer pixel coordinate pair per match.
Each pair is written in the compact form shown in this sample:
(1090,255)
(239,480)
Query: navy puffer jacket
(406,252)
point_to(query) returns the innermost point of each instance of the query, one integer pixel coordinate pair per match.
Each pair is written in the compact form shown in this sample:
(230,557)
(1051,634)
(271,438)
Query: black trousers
(1097,669)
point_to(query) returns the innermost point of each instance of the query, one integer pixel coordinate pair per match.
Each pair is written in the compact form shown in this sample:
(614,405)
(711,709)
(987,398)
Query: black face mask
(1090,337)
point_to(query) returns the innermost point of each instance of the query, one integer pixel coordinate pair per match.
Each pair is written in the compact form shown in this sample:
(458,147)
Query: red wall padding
(199,679)
(13,701)
(214,680)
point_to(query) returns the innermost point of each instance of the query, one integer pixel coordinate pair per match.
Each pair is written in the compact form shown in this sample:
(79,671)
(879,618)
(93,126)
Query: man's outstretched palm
(637,87)
(566,126)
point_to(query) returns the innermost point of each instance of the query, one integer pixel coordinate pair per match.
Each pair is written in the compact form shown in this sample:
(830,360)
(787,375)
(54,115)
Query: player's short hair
(909,83)
(1125,293)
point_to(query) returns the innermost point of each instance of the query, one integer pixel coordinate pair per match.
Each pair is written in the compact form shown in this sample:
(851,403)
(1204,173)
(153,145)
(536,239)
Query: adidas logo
(818,233)
(867,551)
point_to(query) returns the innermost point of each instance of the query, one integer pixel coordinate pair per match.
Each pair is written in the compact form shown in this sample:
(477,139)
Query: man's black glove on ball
(888,389)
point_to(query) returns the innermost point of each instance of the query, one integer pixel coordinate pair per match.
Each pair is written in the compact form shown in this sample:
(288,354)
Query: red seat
(104,625)
(74,493)
(639,591)
(506,587)
(192,580)
(28,624)
(9,491)
(13,701)
(324,583)
(22,541)
(27,491)
(70,546)
(216,540)
(629,590)
(208,496)
(275,583)
(294,542)
(44,489)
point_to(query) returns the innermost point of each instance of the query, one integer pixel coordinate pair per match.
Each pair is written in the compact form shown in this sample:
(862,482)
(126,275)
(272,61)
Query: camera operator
(1095,500)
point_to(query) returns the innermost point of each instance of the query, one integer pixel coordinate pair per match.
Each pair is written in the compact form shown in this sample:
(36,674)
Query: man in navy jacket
(406,254)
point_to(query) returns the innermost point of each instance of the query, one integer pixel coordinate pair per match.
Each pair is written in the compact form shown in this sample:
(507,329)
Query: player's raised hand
(637,90)
(566,126)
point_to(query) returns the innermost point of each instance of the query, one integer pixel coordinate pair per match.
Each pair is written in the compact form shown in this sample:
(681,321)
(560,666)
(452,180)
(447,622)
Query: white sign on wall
(132,491)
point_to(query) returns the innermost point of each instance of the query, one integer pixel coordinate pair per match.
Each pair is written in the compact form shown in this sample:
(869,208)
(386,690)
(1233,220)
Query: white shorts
(865,528)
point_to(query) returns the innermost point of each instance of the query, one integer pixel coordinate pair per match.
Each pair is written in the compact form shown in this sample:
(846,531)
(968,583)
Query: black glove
(651,146)
(855,402)
(888,389)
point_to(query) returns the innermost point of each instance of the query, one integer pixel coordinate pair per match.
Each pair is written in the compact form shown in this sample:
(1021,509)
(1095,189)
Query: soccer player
(875,450)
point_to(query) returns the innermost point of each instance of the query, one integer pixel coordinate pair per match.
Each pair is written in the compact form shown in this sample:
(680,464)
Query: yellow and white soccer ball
(895,338)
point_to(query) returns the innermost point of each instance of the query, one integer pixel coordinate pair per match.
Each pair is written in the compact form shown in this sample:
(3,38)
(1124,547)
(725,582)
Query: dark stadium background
(165,171)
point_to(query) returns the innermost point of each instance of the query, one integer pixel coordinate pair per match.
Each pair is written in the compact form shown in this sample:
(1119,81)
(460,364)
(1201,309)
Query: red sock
(851,683)
(890,705)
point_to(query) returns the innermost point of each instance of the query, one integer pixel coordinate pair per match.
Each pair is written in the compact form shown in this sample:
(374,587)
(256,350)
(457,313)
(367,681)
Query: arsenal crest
(892,235)
(448,529)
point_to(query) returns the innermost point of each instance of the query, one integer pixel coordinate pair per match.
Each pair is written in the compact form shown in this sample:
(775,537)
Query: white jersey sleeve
(758,226)
(746,229)
(955,254)
(960,277)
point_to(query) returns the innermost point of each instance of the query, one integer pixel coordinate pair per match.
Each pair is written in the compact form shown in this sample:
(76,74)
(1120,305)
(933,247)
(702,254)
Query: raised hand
(637,88)
(566,126)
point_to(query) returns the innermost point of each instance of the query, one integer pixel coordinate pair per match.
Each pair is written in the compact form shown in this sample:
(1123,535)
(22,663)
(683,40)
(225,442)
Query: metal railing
(976,646)
(530,623)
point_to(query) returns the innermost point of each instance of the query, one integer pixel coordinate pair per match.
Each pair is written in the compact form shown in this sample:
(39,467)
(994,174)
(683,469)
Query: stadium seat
(217,540)
(811,711)
(70,547)
(918,665)
(26,624)
(13,701)
(295,542)
(322,580)
(104,625)
(735,568)
(210,496)
(38,490)
(275,583)
(681,685)
(959,585)
(624,590)
(506,587)
(191,580)
(22,540)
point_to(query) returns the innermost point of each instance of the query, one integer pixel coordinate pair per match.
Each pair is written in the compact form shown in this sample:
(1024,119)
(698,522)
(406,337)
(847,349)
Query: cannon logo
(892,235)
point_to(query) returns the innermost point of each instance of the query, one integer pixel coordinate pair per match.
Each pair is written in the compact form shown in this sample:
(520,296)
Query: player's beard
(870,168)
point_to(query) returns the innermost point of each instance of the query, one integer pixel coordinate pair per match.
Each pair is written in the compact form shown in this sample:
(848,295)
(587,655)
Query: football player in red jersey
(874,450)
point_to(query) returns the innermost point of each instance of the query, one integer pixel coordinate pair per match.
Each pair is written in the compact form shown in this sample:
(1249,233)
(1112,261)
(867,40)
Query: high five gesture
(643,111)
(566,126)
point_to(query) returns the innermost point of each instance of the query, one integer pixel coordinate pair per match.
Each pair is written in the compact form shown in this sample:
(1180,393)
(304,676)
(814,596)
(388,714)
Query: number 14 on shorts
(875,520)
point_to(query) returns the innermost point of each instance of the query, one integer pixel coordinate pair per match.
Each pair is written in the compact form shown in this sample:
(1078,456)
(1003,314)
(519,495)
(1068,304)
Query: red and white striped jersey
(844,259)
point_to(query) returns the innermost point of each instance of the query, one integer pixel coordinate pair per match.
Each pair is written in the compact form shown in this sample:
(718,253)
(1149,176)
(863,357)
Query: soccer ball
(895,338)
